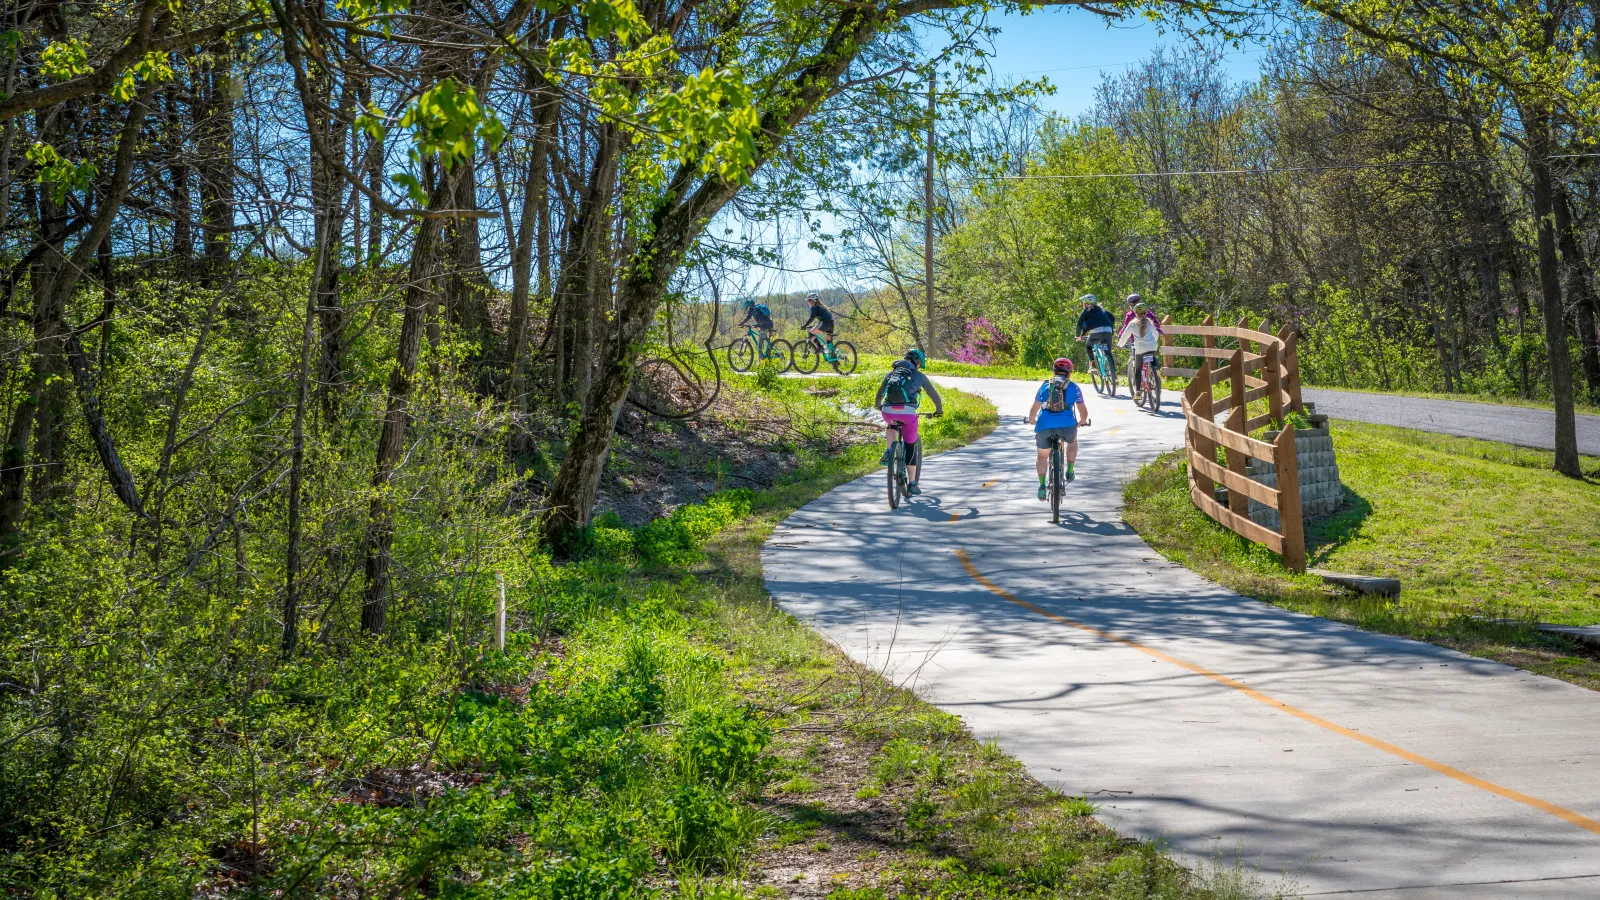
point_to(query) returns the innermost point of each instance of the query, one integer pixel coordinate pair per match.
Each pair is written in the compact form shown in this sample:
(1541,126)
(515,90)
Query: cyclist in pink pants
(898,398)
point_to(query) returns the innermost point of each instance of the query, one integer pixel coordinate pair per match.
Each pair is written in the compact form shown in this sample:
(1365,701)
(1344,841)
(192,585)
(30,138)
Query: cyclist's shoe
(887,457)
(1041,490)
(913,490)
(1070,477)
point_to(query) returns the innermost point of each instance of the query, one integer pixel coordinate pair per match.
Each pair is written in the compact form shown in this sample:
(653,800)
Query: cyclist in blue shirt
(1062,422)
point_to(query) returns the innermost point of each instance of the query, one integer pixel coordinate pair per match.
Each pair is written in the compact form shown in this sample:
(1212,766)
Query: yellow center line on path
(955,517)
(1583,822)
(990,484)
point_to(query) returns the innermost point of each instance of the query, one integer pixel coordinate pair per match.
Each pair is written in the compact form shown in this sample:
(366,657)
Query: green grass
(1475,530)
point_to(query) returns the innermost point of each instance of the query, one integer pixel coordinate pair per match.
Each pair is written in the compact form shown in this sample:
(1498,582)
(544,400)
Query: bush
(723,744)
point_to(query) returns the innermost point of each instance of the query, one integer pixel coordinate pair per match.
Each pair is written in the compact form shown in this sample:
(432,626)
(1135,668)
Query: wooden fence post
(1199,445)
(1243,325)
(1272,373)
(500,614)
(1291,368)
(1237,417)
(1290,524)
(1210,343)
(1166,341)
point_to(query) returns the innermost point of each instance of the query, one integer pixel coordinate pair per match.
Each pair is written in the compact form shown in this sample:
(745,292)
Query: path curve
(1352,761)
(1520,425)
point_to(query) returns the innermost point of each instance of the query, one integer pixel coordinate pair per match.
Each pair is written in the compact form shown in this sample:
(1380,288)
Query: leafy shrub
(722,744)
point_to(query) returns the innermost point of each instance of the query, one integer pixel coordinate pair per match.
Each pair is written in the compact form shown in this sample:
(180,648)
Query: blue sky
(1075,49)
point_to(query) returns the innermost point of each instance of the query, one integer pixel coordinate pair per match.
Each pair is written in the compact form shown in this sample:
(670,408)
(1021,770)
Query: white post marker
(500,614)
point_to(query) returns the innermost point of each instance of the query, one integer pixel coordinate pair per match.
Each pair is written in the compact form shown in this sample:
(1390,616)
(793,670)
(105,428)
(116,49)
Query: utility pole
(927,226)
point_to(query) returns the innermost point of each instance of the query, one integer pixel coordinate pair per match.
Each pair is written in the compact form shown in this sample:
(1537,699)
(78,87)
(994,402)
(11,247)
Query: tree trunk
(328,199)
(178,183)
(1581,293)
(576,290)
(419,298)
(1538,124)
(214,138)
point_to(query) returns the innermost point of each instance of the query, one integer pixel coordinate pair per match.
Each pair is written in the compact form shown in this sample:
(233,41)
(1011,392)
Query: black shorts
(1067,434)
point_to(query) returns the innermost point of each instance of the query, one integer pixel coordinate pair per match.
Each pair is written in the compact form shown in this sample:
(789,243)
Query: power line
(1212,172)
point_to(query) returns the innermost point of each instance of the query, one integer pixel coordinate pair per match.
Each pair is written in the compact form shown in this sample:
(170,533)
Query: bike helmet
(749,303)
(916,357)
(1089,298)
(1132,299)
(1063,366)
(813,298)
(1140,308)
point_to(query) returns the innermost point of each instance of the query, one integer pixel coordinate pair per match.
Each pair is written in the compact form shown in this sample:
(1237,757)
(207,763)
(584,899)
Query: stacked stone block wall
(1321,491)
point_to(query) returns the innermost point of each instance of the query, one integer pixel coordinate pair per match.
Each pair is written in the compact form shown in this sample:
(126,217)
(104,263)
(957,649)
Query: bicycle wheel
(1055,483)
(1098,379)
(1111,370)
(844,358)
(741,355)
(897,461)
(781,355)
(806,357)
(1155,391)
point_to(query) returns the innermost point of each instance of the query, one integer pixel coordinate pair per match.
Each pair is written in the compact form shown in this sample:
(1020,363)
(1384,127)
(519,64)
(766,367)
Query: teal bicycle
(745,352)
(817,349)
(1103,372)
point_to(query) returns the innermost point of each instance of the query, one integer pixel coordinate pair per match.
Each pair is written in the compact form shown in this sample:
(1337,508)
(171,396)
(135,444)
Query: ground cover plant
(1485,539)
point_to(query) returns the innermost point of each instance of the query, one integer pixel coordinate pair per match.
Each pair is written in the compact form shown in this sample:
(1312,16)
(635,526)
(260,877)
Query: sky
(1074,49)
(1071,48)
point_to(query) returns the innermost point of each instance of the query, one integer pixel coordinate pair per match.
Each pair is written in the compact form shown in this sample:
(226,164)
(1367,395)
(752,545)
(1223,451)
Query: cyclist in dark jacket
(1097,326)
(823,316)
(758,313)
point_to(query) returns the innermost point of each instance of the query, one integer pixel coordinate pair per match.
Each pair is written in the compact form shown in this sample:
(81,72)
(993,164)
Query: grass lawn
(1474,530)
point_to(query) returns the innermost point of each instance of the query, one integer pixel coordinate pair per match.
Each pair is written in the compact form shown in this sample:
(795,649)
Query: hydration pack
(1056,401)
(900,387)
(760,309)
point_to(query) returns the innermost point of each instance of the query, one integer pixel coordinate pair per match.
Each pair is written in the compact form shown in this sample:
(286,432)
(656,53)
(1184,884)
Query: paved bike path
(1520,425)
(1354,762)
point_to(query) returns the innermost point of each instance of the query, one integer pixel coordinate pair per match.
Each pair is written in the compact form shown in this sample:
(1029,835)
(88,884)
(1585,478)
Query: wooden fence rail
(1254,350)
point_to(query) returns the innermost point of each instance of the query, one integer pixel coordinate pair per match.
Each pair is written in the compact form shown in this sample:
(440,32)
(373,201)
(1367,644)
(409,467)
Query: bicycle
(1104,371)
(898,480)
(1055,477)
(808,353)
(743,352)
(1149,395)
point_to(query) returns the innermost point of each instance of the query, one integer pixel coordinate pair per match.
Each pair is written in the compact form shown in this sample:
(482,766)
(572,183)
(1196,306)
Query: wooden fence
(1252,350)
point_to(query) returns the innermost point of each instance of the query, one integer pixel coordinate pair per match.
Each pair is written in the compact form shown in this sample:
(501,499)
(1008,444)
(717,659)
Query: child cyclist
(1145,336)
(898,396)
(1058,410)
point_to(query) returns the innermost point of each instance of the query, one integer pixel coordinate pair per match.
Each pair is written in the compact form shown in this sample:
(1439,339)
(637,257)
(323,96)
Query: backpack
(900,387)
(1056,400)
(761,310)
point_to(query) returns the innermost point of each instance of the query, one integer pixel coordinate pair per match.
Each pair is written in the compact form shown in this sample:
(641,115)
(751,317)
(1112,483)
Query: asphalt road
(1345,760)
(1488,421)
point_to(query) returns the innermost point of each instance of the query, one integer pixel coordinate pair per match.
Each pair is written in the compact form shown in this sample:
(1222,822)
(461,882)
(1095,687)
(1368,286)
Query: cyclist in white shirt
(1145,336)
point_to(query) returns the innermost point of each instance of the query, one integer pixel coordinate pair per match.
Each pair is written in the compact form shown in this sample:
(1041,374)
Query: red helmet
(1063,366)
